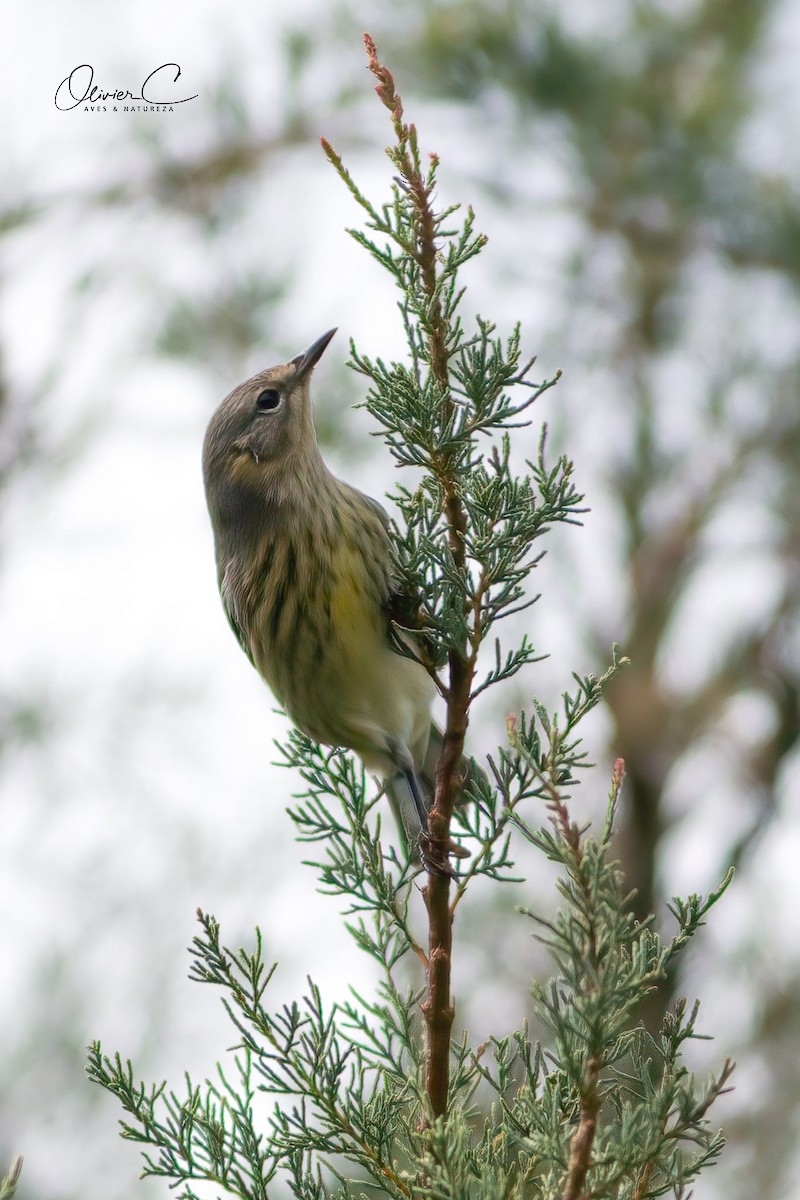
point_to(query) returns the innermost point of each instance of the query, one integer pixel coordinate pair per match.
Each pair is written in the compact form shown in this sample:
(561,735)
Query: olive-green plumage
(308,581)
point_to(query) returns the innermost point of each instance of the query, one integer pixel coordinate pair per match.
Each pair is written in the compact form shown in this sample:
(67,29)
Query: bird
(309,582)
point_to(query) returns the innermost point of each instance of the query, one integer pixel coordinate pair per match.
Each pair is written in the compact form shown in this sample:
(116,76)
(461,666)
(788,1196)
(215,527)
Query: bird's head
(264,427)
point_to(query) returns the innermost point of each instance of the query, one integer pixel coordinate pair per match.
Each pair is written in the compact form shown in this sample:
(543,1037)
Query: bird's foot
(435,855)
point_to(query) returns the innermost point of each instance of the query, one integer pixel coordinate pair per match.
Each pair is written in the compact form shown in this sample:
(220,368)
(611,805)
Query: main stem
(437,1006)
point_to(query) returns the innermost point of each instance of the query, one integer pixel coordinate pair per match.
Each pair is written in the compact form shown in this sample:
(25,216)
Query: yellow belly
(325,653)
(368,697)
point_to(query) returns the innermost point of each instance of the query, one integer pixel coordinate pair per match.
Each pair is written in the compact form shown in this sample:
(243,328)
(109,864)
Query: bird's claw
(436,855)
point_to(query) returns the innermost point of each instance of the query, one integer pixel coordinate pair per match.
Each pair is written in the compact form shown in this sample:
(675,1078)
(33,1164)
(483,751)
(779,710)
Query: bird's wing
(407,624)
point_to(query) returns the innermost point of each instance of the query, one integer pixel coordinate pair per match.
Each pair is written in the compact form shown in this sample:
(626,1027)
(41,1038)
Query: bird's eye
(268,400)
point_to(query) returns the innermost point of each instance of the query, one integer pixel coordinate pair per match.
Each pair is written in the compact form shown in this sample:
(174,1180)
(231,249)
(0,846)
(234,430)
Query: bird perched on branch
(309,583)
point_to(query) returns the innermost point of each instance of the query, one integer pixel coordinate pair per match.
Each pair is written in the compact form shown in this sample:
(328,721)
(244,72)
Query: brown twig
(582,1141)
(580,1149)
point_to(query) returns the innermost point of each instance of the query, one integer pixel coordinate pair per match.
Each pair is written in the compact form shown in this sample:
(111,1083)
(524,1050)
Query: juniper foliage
(322,1100)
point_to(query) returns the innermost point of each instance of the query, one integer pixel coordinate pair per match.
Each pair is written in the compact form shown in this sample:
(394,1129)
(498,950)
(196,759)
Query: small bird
(309,583)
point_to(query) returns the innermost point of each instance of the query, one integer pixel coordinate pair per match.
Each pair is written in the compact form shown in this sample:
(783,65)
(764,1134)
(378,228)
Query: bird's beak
(306,362)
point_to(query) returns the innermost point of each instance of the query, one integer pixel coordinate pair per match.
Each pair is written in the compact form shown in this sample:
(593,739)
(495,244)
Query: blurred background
(635,167)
